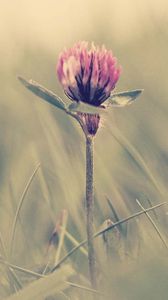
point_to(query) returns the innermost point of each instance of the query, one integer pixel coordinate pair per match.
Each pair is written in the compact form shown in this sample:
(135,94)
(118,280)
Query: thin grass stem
(19,208)
(154,225)
(62,235)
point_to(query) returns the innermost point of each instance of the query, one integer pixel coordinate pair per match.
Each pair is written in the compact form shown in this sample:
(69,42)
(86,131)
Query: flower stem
(90,208)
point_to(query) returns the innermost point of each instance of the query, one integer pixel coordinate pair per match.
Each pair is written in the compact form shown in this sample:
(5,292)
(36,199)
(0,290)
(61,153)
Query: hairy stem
(90,209)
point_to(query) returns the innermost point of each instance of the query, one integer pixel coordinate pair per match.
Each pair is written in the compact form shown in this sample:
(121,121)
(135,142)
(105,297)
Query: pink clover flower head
(88,74)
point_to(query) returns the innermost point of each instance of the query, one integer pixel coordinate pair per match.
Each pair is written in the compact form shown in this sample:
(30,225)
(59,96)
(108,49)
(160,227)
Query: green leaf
(124,98)
(45,287)
(43,93)
(85,108)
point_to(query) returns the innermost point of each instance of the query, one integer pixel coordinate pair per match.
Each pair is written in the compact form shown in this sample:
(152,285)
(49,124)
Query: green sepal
(85,108)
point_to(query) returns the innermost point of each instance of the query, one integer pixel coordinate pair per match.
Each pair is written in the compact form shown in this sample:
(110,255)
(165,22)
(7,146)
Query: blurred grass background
(131,145)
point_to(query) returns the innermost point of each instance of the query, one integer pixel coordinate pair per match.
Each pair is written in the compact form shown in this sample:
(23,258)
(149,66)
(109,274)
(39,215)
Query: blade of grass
(150,204)
(16,279)
(103,231)
(62,235)
(136,156)
(44,287)
(116,218)
(19,208)
(75,242)
(20,269)
(154,225)
(13,278)
(2,245)
(65,296)
(72,284)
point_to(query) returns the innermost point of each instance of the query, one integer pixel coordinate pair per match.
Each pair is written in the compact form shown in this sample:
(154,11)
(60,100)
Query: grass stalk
(154,225)
(19,208)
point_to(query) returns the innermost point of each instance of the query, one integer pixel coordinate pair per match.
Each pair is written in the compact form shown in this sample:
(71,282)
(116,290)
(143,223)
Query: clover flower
(88,75)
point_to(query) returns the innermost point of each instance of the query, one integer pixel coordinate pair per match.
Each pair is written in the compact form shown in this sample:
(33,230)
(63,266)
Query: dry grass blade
(45,287)
(136,156)
(62,235)
(19,208)
(150,204)
(2,245)
(13,278)
(115,216)
(154,225)
(75,242)
(20,269)
(103,231)
(75,285)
